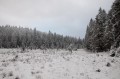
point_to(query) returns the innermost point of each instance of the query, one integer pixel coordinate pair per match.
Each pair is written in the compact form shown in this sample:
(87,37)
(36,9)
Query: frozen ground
(61,64)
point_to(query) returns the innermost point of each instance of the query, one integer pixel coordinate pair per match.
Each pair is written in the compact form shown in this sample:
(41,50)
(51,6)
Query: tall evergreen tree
(99,30)
(108,34)
(116,22)
(89,41)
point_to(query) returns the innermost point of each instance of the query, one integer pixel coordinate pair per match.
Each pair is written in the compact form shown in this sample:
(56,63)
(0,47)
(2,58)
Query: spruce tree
(98,36)
(116,22)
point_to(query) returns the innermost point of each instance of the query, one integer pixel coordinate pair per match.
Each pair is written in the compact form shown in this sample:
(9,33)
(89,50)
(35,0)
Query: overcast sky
(67,17)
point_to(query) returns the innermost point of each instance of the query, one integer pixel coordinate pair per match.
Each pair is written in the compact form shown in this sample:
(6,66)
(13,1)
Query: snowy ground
(61,64)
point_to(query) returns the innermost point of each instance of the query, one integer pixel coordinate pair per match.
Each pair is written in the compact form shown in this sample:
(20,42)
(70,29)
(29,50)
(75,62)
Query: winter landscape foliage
(103,32)
(30,54)
(15,37)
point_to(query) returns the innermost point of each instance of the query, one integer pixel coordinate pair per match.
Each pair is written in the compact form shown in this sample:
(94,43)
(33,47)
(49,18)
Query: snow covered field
(57,64)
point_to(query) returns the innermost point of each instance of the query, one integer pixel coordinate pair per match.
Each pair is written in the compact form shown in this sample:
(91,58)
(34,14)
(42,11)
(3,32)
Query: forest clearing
(59,39)
(57,64)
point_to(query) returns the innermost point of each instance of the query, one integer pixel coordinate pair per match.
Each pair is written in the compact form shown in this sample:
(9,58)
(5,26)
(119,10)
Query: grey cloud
(67,17)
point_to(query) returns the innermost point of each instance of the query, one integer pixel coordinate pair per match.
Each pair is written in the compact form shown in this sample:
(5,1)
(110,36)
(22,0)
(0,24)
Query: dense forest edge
(103,32)
(19,37)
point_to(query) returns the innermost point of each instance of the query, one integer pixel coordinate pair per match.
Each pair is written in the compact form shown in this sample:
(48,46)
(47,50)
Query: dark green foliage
(116,22)
(15,37)
(89,35)
(103,33)
(98,37)
(94,39)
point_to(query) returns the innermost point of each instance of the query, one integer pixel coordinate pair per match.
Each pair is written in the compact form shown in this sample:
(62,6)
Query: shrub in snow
(108,64)
(17,78)
(98,70)
(32,72)
(5,64)
(22,49)
(15,58)
(11,73)
(113,61)
(38,77)
(115,52)
(75,48)
(4,75)
(112,54)
(3,60)
(70,47)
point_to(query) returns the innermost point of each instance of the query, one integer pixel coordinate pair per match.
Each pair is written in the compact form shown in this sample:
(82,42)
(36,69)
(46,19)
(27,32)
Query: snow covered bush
(115,52)
(70,47)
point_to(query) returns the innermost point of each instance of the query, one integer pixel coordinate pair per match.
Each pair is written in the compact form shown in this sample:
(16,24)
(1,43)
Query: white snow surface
(57,64)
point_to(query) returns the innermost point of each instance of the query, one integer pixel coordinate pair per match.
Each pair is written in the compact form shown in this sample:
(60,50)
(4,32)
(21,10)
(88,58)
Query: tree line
(15,37)
(103,32)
